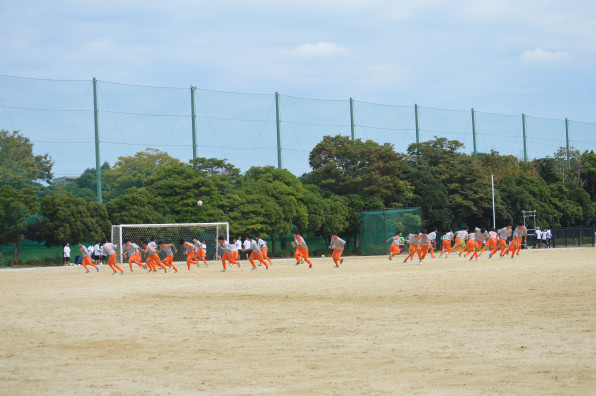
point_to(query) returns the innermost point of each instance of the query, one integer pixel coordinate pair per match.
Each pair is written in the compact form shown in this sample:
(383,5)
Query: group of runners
(195,252)
(506,240)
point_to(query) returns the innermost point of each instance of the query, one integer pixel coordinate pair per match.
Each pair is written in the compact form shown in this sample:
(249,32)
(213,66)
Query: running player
(337,244)
(238,244)
(255,254)
(226,249)
(189,250)
(86,258)
(460,238)
(263,247)
(491,242)
(446,243)
(481,236)
(519,232)
(433,242)
(201,251)
(167,249)
(413,241)
(394,245)
(134,254)
(108,249)
(504,234)
(152,257)
(423,245)
(301,254)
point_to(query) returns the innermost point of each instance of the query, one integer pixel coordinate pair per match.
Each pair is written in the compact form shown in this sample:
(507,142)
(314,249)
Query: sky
(507,57)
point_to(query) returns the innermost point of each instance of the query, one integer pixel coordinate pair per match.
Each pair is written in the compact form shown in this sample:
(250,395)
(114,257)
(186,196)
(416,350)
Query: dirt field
(498,326)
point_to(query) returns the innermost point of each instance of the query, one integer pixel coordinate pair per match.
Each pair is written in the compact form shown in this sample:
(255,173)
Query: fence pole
(97,160)
(524,136)
(278,131)
(193,118)
(567,140)
(474,131)
(417,126)
(352,117)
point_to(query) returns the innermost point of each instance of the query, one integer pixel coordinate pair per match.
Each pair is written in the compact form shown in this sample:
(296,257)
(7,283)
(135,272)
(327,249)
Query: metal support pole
(352,117)
(417,127)
(194,128)
(524,135)
(567,140)
(278,131)
(492,182)
(474,131)
(97,160)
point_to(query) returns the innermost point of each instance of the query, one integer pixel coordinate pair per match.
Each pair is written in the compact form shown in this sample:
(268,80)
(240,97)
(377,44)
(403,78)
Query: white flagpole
(492,182)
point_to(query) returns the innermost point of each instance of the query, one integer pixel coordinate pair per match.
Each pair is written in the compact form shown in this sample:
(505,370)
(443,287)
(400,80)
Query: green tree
(137,206)
(588,173)
(65,218)
(135,171)
(16,207)
(287,191)
(345,166)
(19,167)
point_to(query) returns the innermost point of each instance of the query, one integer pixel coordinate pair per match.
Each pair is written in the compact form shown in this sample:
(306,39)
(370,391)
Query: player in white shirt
(433,242)
(263,246)
(337,244)
(446,243)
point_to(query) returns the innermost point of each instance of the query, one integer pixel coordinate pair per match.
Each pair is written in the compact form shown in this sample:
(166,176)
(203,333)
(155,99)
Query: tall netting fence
(573,237)
(170,234)
(248,129)
(376,226)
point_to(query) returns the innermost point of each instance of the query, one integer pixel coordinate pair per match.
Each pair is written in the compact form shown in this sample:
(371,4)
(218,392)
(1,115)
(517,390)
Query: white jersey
(246,244)
(339,243)
(432,236)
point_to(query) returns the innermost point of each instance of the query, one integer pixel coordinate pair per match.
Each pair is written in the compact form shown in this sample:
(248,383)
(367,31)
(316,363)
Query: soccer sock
(86,269)
(120,269)
(252,262)
(224,263)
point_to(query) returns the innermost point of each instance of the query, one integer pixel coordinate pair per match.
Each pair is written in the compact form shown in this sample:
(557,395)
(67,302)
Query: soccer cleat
(267,268)
(419,261)
(187,271)
(406,260)
(341,261)
(298,263)
(223,270)
(113,273)
(130,270)
(490,255)
(253,268)
(87,271)
(97,269)
(337,266)
(310,266)
(122,273)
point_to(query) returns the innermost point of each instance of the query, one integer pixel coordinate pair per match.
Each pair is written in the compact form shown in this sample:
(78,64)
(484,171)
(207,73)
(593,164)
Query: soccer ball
(322,255)
(199,202)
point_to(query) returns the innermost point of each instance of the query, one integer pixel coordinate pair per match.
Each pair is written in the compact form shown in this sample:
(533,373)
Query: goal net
(170,233)
(376,226)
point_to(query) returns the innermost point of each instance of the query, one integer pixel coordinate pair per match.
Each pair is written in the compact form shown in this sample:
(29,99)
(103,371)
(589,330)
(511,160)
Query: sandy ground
(449,326)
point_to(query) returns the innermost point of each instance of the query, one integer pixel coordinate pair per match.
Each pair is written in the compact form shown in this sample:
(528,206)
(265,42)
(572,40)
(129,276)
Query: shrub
(34,262)
(15,262)
(48,261)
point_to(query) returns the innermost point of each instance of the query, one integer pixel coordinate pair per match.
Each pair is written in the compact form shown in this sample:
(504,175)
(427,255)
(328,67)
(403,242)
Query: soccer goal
(171,233)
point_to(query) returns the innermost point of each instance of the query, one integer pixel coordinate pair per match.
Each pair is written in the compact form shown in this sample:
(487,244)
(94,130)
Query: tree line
(346,177)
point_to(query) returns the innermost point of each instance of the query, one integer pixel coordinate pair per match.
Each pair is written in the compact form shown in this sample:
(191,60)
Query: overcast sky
(537,57)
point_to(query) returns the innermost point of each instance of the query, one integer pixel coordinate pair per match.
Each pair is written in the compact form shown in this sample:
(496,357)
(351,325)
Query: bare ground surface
(449,326)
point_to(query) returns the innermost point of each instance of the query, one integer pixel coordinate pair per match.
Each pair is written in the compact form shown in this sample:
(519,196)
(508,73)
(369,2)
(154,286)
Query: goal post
(171,233)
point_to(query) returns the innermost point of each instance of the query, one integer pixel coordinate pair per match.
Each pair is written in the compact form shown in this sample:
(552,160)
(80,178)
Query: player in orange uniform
(263,246)
(167,249)
(301,254)
(446,243)
(86,258)
(255,253)
(395,250)
(189,249)
(226,250)
(108,249)
(337,244)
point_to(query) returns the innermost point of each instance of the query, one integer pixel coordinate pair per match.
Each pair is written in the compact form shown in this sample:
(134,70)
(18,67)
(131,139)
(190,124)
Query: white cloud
(318,50)
(539,55)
